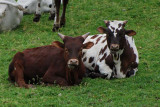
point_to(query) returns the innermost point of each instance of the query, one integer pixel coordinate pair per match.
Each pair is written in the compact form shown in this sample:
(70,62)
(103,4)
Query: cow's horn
(86,35)
(124,22)
(61,36)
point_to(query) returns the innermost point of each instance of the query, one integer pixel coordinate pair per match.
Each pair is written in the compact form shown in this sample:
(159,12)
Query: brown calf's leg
(19,76)
(56,25)
(51,78)
(55,80)
(63,20)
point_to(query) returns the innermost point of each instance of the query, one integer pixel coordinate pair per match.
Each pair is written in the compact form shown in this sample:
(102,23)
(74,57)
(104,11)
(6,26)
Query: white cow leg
(38,11)
(56,25)
(105,70)
(52,11)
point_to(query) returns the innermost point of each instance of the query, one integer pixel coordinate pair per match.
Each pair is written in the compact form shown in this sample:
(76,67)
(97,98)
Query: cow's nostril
(115,46)
(50,6)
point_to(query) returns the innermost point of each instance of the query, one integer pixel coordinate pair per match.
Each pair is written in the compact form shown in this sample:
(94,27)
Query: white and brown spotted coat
(99,58)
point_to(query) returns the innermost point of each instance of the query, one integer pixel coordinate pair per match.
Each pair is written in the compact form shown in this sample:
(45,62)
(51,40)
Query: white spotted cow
(11,14)
(114,53)
(31,5)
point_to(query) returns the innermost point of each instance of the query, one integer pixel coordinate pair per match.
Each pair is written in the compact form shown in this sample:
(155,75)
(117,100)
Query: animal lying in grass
(114,53)
(62,66)
(10,14)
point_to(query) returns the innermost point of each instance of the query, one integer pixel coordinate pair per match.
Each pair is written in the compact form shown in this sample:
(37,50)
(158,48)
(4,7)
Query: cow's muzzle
(114,48)
(73,63)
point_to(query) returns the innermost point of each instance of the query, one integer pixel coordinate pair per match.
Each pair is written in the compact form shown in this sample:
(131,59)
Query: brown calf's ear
(86,35)
(88,45)
(130,32)
(101,29)
(58,44)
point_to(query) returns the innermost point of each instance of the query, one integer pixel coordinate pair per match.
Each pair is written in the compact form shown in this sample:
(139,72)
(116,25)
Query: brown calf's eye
(66,50)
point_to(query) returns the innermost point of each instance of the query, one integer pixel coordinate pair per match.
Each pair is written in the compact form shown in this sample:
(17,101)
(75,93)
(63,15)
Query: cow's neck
(119,59)
(72,75)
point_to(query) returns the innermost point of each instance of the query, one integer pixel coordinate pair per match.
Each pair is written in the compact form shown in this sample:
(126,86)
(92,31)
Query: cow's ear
(101,29)
(88,45)
(106,22)
(130,32)
(58,44)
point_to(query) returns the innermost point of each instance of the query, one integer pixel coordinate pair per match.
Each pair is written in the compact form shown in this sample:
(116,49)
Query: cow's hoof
(51,17)
(62,23)
(31,86)
(55,29)
(130,73)
(92,75)
(37,18)
(112,75)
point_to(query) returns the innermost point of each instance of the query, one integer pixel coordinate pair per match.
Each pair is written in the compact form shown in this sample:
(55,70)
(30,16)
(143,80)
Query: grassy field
(85,16)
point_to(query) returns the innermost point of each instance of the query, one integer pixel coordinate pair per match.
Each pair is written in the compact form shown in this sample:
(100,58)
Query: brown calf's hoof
(37,18)
(29,86)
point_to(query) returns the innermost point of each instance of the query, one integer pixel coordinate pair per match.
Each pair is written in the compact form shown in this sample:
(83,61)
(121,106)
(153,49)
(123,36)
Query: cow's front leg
(55,80)
(56,25)
(132,71)
(38,11)
(63,19)
(51,78)
(105,70)
(52,11)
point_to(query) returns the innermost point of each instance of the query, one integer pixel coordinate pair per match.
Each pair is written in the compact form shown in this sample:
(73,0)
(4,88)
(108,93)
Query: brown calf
(62,66)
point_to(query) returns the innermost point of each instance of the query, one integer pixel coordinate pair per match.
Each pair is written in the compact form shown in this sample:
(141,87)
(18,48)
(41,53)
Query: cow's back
(38,60)
(95,53)
(131,43)
(10,17)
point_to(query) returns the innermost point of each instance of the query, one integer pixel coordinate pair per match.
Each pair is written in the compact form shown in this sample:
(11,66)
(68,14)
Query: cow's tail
(18,6)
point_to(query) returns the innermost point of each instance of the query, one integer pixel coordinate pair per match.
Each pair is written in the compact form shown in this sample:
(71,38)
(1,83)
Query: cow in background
(114,53)
(11,14)
(54,13)
(62,65)
(31,5)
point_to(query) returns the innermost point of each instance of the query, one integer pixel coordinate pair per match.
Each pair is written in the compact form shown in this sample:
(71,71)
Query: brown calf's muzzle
(73,63)
(114,48)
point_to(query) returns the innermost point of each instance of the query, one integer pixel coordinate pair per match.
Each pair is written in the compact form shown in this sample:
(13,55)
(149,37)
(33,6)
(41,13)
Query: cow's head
(116,34)
(73,48)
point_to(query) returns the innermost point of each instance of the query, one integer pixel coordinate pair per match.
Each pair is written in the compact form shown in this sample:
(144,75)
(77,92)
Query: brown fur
(49,63)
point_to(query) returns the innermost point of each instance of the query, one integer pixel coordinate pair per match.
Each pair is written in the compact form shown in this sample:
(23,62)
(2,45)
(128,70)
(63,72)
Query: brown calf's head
(73,48)
(116,34)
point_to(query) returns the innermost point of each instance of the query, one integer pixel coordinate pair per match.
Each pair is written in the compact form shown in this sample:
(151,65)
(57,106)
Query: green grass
(85,16)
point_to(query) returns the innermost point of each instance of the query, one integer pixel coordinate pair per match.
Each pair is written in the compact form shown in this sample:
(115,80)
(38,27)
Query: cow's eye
(66,50)
(81,49)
